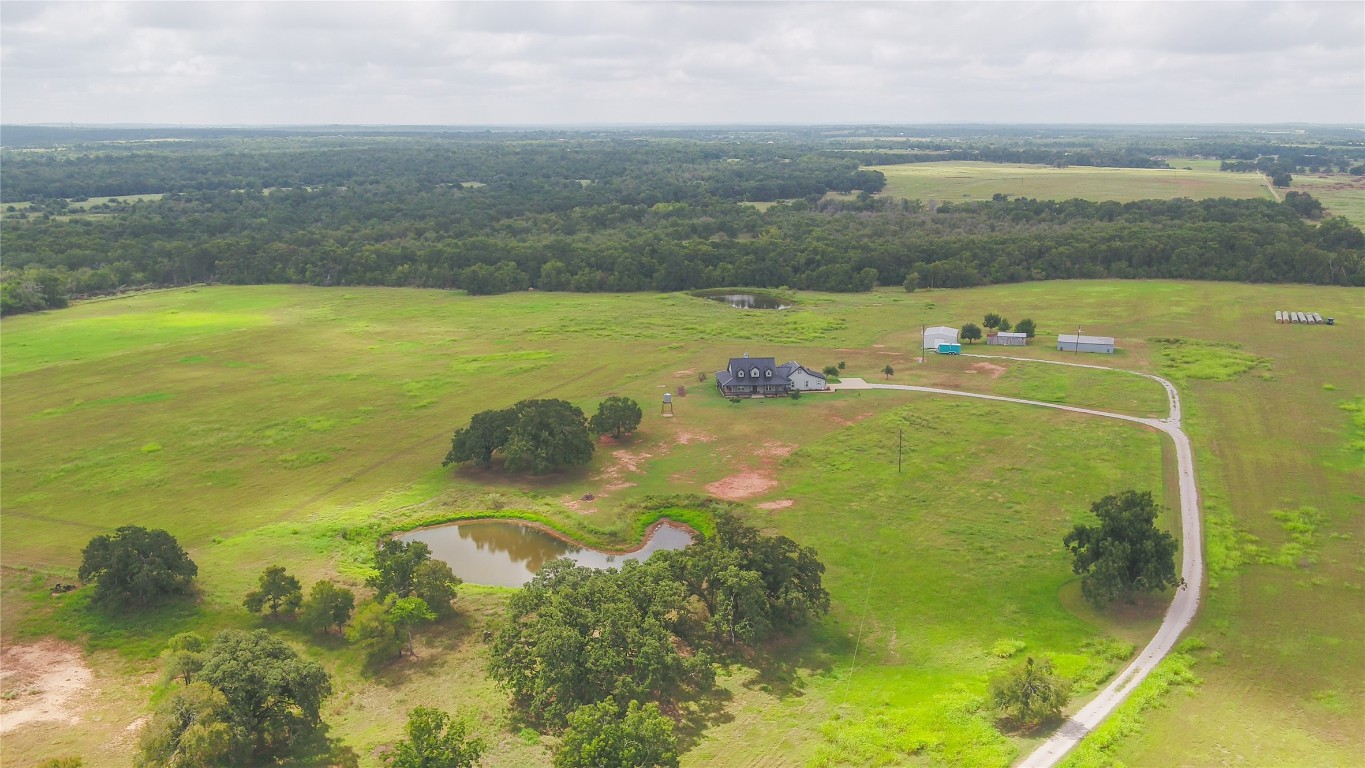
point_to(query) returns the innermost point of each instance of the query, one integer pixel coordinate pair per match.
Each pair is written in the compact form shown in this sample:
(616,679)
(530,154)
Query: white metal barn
(1070,342)
(939,334)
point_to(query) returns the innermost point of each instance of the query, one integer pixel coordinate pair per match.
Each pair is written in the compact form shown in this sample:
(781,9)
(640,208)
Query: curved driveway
(1186,602)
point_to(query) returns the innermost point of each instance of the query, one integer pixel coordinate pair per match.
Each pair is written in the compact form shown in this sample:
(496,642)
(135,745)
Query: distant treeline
(620,170)
(621,216)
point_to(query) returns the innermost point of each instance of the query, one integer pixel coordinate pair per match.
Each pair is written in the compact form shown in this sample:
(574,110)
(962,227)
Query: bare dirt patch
(775,450)
(778,504)
(687,374)
(990,369)
(743,485)
(623,462)
(687,437)
(840,420)
(41,683)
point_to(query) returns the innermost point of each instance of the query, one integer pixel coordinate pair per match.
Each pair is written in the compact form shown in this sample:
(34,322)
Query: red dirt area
(777,504)
(743,485)
(994,371)
(686,437)
(775,450)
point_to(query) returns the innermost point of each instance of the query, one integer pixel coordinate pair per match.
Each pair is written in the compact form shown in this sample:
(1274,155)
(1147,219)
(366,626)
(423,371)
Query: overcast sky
(672,62)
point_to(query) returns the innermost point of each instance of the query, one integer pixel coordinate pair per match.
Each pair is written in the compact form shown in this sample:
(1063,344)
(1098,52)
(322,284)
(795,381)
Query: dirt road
(1186,602)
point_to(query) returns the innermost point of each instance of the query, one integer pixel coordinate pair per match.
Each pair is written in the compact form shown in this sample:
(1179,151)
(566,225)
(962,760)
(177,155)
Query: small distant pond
(507,553)
(748,300)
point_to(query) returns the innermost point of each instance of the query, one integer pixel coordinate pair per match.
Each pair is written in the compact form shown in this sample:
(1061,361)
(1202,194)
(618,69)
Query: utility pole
(900,448)
(1078,340)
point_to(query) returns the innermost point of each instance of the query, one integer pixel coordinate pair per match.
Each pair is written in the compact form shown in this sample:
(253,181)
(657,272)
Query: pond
(507,553)
(748,300)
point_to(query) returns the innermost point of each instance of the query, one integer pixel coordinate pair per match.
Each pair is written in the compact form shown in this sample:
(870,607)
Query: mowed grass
(970,180)
(301,423)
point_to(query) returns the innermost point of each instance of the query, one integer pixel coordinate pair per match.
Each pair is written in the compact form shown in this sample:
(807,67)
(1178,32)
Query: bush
(1031,693)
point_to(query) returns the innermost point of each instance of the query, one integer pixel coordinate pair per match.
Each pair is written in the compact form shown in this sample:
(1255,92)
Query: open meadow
(296,425)
(1340,193)
(962,181)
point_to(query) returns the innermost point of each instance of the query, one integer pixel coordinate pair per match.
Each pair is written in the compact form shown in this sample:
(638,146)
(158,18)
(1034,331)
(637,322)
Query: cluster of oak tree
(612,647)
(541,435)
(243,697)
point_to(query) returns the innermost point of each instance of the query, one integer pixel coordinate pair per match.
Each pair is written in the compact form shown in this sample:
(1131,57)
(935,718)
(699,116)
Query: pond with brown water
(507,553)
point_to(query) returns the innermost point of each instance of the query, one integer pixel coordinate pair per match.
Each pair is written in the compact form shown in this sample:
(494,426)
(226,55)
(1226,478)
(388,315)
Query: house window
(754,373)
(741,374)
(768,374)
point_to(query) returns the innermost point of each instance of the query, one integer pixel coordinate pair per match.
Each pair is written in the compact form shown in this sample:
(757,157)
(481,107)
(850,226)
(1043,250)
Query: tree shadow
(782,666)
(695,716)
(1043,728)
(319,749)
(431,647)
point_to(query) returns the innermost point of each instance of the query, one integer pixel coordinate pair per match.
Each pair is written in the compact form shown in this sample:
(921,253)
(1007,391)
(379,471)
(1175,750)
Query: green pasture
(295,425)
(1340,193)
(1194,163)
(971,180)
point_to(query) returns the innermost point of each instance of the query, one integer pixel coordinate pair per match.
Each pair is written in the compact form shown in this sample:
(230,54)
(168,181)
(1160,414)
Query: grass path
(1183,607)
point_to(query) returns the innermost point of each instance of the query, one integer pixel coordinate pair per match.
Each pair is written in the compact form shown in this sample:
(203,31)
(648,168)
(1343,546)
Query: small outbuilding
(1007,339)
(1070,342)
(939,334)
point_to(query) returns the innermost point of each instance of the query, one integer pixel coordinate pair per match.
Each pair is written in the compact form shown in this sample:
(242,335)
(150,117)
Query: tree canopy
(616,416)
(971,332)
(601,735)
(136,566)
(278,592)
(193,727)
(395,567)
(435,584)
(535,435)
(435,740)
(574,636)
(1125,553)
(272,694)
(1030,693)
(328,607)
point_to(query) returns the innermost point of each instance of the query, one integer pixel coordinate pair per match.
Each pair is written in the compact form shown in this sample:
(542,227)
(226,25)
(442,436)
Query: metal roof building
(1070,342)
(935,335)
(1007,339)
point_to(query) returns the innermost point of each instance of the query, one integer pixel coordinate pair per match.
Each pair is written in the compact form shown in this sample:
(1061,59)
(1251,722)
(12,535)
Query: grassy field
(953,181)
(1341,194)
(295,425)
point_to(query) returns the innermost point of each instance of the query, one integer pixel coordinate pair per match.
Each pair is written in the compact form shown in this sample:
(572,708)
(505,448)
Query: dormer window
(754,373)
(741,374)
(768,374)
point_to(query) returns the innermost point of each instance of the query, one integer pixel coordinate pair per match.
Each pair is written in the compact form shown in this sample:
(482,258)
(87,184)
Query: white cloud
(507,62)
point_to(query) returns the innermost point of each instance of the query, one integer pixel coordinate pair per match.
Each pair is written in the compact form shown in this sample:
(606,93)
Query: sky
(595,63)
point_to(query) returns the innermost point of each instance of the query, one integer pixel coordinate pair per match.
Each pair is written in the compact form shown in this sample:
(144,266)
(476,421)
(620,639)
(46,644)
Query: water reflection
(507,553)
(748,300)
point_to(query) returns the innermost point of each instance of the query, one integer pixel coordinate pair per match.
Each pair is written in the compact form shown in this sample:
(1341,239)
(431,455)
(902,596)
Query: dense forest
(491,213)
